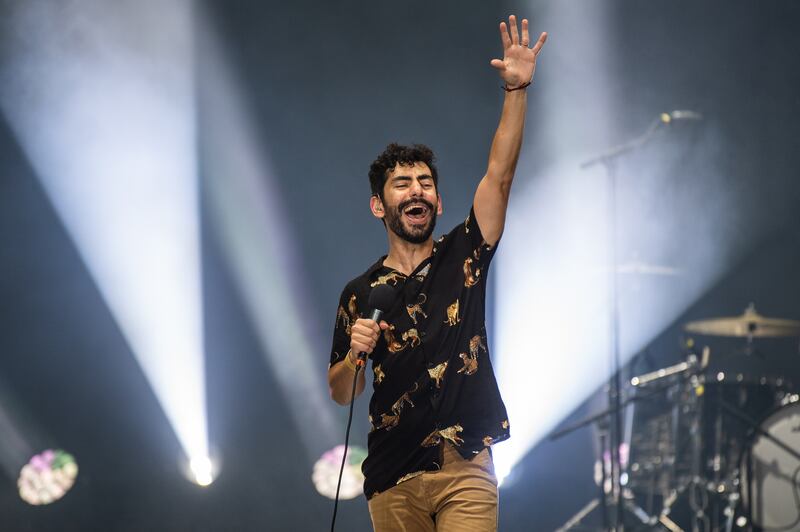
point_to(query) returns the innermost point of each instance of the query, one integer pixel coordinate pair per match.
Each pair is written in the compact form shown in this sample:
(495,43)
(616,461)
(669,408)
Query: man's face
(410,202)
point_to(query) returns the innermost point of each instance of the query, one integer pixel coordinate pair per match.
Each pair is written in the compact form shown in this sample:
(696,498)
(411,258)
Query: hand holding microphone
(365,332)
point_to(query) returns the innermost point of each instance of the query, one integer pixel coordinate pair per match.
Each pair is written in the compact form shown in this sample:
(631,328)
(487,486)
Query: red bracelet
(507,89)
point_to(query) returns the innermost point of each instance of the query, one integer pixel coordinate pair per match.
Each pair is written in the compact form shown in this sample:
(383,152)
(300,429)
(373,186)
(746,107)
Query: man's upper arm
(490,204)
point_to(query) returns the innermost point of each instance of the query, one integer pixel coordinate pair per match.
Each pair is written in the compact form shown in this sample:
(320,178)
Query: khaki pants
(461,497)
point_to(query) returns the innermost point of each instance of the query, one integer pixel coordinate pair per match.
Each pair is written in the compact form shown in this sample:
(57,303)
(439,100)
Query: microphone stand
(609,159)
(599,420)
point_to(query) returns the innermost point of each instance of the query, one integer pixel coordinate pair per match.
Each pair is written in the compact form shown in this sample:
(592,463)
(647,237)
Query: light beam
(101,98)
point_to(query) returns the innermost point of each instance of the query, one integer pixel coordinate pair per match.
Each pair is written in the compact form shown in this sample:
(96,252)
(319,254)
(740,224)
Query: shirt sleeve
(346,315)
(482,253)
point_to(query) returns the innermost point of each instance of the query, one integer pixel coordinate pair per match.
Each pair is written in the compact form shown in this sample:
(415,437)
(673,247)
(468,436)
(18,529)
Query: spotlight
(326,473)
(47,477)
(202,469)
(128,197)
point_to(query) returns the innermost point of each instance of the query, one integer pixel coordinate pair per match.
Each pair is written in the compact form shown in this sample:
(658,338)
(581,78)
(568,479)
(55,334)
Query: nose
(416,188)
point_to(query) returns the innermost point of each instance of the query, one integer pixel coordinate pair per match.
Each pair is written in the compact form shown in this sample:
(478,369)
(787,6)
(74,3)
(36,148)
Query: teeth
(421,208)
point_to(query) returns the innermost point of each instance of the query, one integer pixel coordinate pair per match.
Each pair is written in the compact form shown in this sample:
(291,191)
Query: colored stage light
(326,473)
(47,477)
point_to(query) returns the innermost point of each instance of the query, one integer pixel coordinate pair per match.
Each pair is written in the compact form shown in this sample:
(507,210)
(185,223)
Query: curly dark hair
(404,155)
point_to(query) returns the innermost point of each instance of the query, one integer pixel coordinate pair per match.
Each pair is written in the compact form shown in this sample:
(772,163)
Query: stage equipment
(749,325)
(47,477)
(715,440)
(613,513)
(771,473)
(723,449)
(326,472)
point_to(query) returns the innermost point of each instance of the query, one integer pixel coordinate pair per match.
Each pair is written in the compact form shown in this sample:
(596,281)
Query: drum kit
(713,443)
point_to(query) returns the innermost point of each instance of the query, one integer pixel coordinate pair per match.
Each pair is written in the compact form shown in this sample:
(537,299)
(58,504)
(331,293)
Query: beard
(413,233)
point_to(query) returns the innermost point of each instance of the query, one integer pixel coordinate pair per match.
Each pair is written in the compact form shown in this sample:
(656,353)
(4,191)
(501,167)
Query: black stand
(608,160)
(601,419)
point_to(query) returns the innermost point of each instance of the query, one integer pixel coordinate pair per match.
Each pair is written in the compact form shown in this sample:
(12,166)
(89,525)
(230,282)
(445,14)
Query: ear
(439,209)
(376,206)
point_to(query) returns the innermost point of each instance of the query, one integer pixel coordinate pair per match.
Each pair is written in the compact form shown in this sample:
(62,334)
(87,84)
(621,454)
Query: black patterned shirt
(432,377)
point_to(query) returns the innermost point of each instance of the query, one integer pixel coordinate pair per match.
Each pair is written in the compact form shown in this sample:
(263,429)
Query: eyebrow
(408,178)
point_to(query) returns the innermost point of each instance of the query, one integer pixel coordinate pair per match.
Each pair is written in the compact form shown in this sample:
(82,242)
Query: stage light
(202,469)
(326,473)
(47,477)
(15,447)
(101,99)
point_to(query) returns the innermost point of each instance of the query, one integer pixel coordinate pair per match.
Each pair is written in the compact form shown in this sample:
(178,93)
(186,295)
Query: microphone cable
(346,444)
(380,300)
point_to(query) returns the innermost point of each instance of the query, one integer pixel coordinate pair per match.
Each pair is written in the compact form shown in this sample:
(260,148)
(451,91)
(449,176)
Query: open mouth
(416,213)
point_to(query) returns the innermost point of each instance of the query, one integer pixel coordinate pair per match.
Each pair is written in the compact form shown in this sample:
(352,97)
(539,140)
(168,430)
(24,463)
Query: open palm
(519,61)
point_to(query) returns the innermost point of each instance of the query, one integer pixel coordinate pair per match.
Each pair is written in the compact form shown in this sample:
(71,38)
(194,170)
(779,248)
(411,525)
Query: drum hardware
(636,510)
(722,463)
(730,510)
(719,478)
(669,524)
(609,160)
(690,363)
(749,325)
(602,501)
(760,431)
(771,471)
(692,488)
(713,442)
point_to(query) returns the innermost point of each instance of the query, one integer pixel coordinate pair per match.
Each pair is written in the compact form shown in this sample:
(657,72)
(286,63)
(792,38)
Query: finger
(360,329)
(364,335)
(369,324)
(363,340)
(384,325)
(360,342)
(540,42)
(512,22)
(504,35)
(525,37)
(498,64)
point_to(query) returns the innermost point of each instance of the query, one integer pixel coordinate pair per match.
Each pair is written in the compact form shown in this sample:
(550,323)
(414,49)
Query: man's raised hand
(519,61)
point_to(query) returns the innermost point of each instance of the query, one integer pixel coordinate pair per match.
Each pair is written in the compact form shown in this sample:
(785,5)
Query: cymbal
(646,268)
(751,324)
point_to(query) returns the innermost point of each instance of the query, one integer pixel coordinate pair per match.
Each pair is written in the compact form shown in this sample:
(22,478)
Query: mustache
(401,207)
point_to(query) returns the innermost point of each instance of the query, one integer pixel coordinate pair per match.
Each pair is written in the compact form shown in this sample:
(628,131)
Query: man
(435,409)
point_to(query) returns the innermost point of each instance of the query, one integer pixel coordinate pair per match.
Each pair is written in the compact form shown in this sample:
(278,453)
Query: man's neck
(404,256)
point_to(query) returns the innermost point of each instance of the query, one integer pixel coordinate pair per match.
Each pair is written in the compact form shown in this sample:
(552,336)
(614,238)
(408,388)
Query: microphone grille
(381,297)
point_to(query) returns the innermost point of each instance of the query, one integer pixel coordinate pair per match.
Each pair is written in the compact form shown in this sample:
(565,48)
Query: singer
(435,409)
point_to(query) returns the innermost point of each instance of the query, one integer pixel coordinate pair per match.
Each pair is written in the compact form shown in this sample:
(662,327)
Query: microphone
(380,300)
(680,115)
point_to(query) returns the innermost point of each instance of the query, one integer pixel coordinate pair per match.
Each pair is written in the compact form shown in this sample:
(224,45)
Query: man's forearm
(507,141)
(340,382)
